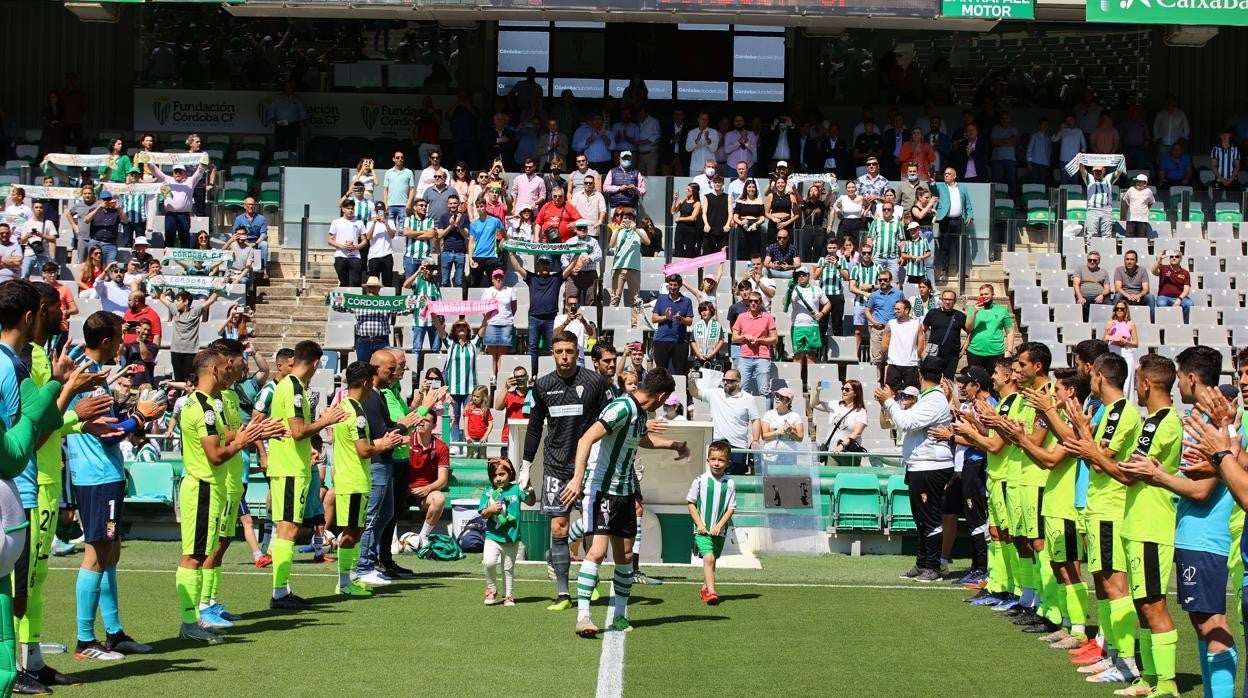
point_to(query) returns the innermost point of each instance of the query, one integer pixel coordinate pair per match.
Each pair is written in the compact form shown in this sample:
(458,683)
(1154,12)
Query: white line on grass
(611,664)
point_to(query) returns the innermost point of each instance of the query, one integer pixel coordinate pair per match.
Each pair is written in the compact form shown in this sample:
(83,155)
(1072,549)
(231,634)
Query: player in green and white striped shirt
(914,254)
(608,508)
(460,369)
(418,236)
(712,500)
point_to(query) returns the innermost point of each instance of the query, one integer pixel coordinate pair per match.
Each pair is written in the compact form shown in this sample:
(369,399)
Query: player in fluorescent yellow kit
(1063,544)
(354,449)
(290,463)
(206,448)
(1149,523)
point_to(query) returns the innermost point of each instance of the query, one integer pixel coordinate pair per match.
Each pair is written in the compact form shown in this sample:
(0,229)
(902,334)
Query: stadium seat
(856,502)
(250,158)
(150,483)
(233,193)
(1038,211)
(1077,210)
(271,195)
(900,517)
(1228,213)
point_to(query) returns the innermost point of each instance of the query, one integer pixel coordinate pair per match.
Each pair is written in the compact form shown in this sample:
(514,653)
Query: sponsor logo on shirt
(567,410)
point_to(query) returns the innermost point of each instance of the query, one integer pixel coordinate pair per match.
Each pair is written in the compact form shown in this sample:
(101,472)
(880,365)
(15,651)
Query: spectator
(186,314)
(1104,138)
(929,462)
(512,400)
(544,288)
(38,241)
(863,281)
(106,221)
(672,316)
(438,196)
(365,177)
(135,207)
(916,253)
(178,202)
(205,184)
(112,291)
(624,133)
(69,306)
(782,429)
(1040,154)
(572,319)
(687,215)
(117,163)
(709,338)
(428,177)
(90,271)
(990,330)
(139,253)
(1174,283)
(593,141)
(1224,161)
(78,212)
(576,178)
(807,307)
(429,472)
(625,246)
(137,310)
(902,344)
(945,325)
(782,209)
(831,272)
(1135,134)
(583,281)
(1100,221)
(485,231)
(847,420)
(850,209)
(624,185)
(554,180)
(673,145)
(755,332)
(783,256)
(918,154)
(868,146)
(1123,339)
(141,352)
(398,189)
(257,229)
(741,144)
(1171,127)
(460,369)
(814,217)
(955,213)
(1005,142)
(346,236)
(1138,200)
(237,324)
(972,156)
(364,205)
(879,309)
(1131,283)
(379,237)
(749,221)
(589,203)
(500,324)
(10,254)
(649,136)
(702,141)
(288,114)
(1176,167)
(886,234)
(1071,142)
(1091,284)
(734,416)
(452,230)
(556,219)
(551,144)
(528,189)
(654,248)
(51,207)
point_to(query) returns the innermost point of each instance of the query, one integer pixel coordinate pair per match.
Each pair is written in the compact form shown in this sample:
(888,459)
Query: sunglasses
(754,300)
(731,380)
(847,390)
(1120,310)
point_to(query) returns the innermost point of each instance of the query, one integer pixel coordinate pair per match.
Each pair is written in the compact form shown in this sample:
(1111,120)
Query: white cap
(372,281)
(1141,177)
(782,163)
(140,240)
(912,225)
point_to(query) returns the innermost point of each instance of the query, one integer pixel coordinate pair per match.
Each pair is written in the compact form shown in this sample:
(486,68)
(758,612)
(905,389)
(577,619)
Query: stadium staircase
(291,308)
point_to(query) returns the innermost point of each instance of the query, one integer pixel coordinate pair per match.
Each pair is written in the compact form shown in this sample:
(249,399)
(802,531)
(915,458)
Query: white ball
(410,541)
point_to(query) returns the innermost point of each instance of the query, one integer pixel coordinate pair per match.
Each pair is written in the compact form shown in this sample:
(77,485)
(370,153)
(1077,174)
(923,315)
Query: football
(410,541)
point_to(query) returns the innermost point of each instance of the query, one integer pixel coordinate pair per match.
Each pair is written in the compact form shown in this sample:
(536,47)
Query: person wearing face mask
(625,185)
(703,179)
(908,189)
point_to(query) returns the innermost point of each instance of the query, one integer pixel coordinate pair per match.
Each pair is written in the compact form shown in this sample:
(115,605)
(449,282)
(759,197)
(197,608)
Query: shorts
(23,574)
(1106,552)
(1148,568)
(243,509)
(350,510)
(228,523)
(953,496)
(806,339)
(1202,581)
(99,510)
(901,377)
(1026,502)
(499,335)
(1062,540)
(289,497)
(860,315)
(708,544)
(609,515)
(550,504)
(200,505)
(998,505)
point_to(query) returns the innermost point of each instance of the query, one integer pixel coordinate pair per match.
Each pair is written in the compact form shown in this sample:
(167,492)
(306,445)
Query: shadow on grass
(640,600)
(398,588)
(434,574)
(664,620)
(739,597)
(276,621)
(1187,682)
(114,671)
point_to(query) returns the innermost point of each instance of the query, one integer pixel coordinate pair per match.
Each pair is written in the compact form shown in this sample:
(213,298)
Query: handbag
(851,445)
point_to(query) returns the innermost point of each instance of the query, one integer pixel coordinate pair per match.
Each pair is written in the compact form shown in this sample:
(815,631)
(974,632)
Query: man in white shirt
(346,236)
(1170,127)
(380,234)
(734,415)
(573,320)
(736,187)
(703,180)
(902,345)
(112,291)
(427,175)
(702,141)
(38,241)
(589,203)
(10,254)
(807,307)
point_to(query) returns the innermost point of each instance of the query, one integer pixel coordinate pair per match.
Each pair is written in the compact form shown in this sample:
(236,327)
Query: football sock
(1222,666)
(87,592)
(622,585)
(346,562)
(425,529)
(1012,583)
(1148,668)
(1165,647)
(8,642)
(576,531)
(1105,638)
(561,560)
(283,552)
(188,582)
(1126,627)
(998,576)
(1076,607)
(33,656)
(109,608)
(586,580)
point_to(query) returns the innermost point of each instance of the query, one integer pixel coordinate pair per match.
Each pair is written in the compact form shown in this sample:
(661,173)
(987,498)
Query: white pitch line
(611,665)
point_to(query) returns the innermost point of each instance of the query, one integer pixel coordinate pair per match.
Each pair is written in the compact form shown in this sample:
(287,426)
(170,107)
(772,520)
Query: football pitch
(834,626)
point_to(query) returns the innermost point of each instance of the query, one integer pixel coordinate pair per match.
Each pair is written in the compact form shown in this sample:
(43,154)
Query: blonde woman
(1123,339)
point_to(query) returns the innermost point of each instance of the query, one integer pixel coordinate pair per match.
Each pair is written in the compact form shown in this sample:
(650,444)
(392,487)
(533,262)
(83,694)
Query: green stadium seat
(1195,214)
(1003,209)
(1077,210)
(856,502)
(1228,213)
(150,483)
(897,494)
(250,158)
(1038,211)
(271,196)
(1156,214)
(1176,193)
(233,193)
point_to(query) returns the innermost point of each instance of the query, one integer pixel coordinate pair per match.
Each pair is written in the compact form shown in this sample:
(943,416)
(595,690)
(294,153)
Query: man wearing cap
(583,282)
(178,202)
(625,184)
(807,305)
(1100,222)
(928,461)
(106,222)
(1137,201)
(252,220)
(372,327)
(139,253)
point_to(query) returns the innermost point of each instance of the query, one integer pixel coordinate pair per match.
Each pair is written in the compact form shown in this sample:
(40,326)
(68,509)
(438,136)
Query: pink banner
(459,307)
(705,260)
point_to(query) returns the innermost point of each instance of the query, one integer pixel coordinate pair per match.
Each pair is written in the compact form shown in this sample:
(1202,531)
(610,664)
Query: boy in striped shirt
(712,501)
(608,508)
(915,252)
(135,207)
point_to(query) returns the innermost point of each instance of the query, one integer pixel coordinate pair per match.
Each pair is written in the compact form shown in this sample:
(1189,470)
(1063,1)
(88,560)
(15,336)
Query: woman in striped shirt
(460,368)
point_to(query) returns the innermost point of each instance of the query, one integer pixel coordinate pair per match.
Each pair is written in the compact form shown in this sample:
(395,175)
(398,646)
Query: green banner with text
(989,9)
(1208,12)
